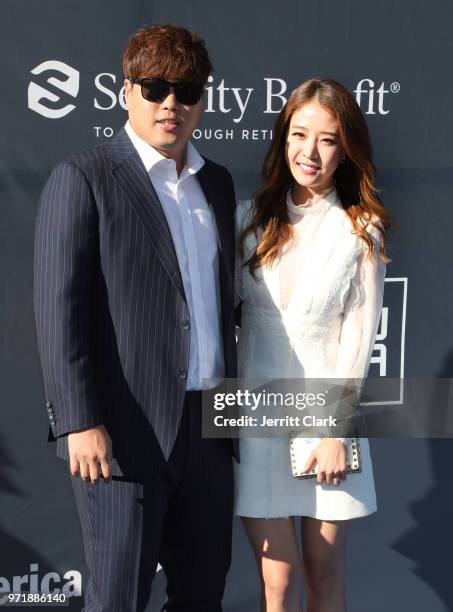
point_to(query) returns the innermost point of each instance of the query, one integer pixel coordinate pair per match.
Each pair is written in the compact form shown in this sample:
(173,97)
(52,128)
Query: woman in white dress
(310,274)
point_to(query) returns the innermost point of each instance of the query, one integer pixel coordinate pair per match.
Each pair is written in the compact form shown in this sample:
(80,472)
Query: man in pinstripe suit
(134,302)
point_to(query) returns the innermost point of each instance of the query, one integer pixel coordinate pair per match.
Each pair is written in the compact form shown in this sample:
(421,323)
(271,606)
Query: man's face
(167,126)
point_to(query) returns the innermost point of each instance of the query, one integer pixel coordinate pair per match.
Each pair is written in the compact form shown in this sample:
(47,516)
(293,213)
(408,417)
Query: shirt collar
(155,162)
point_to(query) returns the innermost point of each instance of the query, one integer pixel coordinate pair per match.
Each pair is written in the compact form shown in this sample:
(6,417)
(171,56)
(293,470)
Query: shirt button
(186,325)
(182,374)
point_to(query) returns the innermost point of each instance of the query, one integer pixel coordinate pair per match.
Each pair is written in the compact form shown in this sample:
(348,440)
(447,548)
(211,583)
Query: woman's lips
(307,169)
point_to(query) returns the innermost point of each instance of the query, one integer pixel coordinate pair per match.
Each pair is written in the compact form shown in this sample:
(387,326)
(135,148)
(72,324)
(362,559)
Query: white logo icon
(36,93)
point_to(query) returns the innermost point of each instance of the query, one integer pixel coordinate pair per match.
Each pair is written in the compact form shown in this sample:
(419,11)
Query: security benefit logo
(232,110)
(387,360)
(51,98)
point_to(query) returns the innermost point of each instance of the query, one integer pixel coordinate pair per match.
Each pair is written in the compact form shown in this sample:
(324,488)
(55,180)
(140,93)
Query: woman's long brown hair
(354,178)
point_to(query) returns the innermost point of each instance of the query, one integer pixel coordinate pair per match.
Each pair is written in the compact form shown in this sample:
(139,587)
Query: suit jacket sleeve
(66,255)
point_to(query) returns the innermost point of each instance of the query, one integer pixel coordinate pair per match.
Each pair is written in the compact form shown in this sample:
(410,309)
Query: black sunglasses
(156,90)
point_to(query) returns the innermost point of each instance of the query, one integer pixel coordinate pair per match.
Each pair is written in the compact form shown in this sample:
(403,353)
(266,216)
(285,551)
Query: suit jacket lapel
(128,171)
(224,234)
(211,193)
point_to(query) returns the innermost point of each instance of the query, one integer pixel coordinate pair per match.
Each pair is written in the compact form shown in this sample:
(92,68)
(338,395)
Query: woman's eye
(298,134)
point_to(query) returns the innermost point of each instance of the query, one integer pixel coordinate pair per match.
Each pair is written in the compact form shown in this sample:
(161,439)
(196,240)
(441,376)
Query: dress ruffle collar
(314,205)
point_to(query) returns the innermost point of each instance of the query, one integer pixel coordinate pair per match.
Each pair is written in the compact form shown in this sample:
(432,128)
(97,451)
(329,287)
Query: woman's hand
(330,455)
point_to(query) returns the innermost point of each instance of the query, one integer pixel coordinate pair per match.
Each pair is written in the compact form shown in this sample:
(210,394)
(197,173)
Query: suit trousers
(179,516)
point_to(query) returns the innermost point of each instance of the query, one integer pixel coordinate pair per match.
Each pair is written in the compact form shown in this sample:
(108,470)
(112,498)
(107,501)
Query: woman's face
(313,150)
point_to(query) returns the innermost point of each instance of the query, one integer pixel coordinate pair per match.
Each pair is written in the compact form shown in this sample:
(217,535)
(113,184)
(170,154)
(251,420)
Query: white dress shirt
(192,227)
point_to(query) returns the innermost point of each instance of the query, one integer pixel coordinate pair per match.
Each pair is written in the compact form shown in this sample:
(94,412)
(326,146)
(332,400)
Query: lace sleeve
(360,323)
(362,314)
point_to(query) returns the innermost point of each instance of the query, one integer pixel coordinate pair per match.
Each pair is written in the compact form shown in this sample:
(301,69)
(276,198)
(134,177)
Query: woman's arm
(358,332)
(362,315)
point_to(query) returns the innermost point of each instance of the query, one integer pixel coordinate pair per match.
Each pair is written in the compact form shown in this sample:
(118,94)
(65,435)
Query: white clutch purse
(300,448)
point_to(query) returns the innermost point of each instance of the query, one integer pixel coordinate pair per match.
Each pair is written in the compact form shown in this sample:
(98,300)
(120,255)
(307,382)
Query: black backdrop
(396,57)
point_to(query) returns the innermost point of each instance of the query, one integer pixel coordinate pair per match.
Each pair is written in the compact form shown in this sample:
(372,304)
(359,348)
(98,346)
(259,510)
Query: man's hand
(90,453)
(330,455)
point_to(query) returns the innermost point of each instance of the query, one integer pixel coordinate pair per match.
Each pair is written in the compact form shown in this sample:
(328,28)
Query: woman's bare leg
(278,558)
(323,549)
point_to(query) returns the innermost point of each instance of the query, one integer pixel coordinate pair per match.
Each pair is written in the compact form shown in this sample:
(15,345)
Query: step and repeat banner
(62,91)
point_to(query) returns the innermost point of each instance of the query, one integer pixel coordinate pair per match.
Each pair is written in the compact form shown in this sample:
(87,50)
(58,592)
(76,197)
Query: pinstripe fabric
(113,561)
(181,516)
(109,301)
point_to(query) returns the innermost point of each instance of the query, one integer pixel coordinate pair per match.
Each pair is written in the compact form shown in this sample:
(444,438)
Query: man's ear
(127,87)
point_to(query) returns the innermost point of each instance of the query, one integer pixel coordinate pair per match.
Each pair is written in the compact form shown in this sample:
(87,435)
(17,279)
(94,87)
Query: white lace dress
(315,314)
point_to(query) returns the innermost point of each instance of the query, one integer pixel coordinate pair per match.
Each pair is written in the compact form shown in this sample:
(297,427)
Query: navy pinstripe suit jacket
(111,315)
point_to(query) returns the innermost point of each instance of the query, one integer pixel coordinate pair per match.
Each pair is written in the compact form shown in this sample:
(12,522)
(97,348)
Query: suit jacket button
(186,325)
(182,374)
